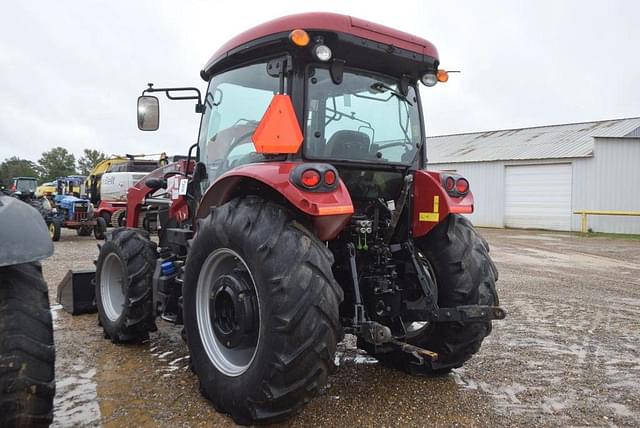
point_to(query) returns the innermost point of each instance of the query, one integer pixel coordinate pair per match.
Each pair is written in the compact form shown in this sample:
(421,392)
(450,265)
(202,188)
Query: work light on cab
(322,52)
(429,79)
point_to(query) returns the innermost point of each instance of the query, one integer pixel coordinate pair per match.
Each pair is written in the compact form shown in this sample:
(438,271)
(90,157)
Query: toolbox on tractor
(302,213)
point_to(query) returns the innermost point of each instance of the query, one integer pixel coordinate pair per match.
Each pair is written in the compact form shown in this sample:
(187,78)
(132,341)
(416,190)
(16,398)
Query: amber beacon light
(299,37)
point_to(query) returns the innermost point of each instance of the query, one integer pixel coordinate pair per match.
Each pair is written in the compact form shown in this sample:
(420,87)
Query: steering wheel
(227,165)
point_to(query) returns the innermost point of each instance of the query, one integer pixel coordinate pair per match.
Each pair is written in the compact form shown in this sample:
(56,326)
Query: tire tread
(27,354)
(305,300)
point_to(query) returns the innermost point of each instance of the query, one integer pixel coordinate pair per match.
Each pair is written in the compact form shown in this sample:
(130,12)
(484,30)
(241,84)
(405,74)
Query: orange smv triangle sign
(278,131)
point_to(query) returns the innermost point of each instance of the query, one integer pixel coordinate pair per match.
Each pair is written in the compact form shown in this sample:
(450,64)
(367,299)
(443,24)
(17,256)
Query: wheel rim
(227,312)
(112,283)
(52,230)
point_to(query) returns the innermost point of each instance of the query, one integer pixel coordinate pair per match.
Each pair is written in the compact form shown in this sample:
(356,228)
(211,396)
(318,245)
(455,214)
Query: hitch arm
(471,313)
(358,317)
(433,313)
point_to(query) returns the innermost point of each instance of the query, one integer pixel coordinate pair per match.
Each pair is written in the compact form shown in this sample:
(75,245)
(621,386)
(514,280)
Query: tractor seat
(346,144)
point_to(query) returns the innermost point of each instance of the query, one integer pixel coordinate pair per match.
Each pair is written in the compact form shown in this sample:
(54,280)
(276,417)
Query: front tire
(54,230)
(124,274)
(106,215)
(27,354)
(269,349)
(465,275)
(100,229)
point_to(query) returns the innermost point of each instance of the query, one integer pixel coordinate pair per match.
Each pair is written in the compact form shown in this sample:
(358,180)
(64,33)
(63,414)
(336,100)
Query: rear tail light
(314,177)
(310,178)
(462,186)
(455,185)
(330,177)
(449,184)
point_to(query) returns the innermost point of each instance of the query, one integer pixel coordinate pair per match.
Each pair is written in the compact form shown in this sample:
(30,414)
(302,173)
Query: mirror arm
(167,92)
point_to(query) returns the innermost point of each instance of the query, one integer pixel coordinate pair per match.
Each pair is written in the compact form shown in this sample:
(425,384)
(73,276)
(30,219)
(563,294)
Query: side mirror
(148,113)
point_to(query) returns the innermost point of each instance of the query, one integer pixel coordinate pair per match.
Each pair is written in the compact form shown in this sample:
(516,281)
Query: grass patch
(607,235)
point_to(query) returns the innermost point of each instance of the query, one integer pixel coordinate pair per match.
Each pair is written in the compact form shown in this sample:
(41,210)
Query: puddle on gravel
(560,260)
(348,354)
(76,398)
(55,311)
(75,402)
(542,365)
(542,237)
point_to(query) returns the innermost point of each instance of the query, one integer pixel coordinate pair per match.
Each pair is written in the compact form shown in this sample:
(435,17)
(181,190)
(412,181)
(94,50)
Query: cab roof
(321,21)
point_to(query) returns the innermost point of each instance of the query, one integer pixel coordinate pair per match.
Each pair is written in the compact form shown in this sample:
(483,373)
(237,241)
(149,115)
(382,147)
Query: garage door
(538,196)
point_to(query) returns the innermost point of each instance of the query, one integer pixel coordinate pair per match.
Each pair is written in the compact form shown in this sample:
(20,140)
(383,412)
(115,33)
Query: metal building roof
(573,140)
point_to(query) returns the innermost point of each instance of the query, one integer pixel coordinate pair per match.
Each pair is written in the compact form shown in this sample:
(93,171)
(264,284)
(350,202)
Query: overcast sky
(70,71)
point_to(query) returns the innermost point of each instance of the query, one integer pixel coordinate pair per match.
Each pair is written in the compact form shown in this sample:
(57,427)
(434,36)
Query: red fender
(432,204)
(329,211)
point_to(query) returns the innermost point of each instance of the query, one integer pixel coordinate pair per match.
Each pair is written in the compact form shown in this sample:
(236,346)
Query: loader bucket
(76,292)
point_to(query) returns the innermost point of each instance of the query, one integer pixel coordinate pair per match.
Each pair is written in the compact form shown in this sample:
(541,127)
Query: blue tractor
(76,213)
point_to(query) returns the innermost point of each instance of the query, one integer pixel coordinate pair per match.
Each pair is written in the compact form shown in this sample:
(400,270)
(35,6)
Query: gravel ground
(568,353)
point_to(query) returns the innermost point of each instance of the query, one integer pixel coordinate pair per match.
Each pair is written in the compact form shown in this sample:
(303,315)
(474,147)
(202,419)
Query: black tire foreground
(27,355)
(137,254)
(298,300)
(465,275)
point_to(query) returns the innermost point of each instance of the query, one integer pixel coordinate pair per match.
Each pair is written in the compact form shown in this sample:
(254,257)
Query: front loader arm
(140,193)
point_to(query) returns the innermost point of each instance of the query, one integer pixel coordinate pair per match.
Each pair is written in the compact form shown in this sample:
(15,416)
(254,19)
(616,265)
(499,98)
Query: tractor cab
(23,186)
(336,93)
(346,91)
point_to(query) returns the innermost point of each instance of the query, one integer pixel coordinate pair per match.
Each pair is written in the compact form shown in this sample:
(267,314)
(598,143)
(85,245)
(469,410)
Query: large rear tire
(124,274)
(27,354)
(465,275)
(259,276)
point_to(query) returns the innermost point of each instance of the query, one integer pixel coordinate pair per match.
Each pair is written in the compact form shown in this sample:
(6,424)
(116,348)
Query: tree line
(57,162)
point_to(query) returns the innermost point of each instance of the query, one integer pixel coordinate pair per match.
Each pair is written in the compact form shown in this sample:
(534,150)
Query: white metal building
(536,177)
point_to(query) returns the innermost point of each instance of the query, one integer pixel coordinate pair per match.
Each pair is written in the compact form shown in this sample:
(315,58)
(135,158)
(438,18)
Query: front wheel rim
(231,359)
(52,230)
(112,283)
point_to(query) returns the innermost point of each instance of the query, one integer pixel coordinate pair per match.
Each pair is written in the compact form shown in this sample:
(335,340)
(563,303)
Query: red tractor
(302,213)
